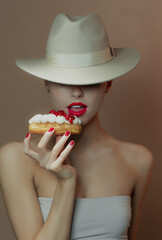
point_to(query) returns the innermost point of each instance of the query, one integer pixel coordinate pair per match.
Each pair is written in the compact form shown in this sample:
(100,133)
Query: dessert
(40,123)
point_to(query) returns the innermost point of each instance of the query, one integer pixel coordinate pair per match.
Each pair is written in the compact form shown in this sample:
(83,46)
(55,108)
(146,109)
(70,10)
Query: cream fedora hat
(78,52)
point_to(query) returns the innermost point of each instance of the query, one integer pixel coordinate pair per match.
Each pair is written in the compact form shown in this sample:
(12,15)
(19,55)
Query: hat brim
(126,59)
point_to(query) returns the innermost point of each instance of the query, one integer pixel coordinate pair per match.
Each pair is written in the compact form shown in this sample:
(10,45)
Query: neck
(87,144)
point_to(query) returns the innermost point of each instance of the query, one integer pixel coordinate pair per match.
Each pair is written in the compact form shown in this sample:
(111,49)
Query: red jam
(69,117)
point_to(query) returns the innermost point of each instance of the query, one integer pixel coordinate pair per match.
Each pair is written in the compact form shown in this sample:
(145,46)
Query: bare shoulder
(11,148)
(14,151)
(138,155)
(9,153)
(19,192)
(12,158)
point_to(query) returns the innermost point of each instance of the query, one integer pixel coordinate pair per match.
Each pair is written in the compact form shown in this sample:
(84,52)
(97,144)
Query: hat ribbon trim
(79,60)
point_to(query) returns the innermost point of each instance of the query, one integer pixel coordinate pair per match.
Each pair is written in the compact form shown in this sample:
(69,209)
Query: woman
(74,187)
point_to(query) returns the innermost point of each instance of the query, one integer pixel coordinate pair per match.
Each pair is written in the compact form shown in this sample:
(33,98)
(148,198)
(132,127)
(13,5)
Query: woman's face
(92,96)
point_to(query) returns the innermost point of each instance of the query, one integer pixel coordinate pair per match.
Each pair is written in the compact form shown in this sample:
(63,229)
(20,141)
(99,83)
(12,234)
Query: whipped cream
(43,118)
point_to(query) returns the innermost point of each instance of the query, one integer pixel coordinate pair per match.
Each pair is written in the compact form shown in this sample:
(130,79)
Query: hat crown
(79,53)
(77,34)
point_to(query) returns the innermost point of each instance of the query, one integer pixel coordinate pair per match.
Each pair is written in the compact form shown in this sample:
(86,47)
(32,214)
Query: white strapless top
(106,218)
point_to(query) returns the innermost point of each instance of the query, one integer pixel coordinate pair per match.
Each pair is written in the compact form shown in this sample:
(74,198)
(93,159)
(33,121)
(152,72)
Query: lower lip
(77,112)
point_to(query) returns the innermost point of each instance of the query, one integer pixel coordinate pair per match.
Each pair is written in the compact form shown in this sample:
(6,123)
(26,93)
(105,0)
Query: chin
(87,119)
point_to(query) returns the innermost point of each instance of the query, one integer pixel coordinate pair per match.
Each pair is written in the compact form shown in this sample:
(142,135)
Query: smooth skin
(99,164)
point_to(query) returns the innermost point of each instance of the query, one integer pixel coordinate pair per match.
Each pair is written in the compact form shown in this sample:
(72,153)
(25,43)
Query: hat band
(80,60)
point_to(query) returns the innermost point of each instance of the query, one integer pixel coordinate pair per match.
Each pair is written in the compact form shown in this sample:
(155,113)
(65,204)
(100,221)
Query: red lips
(77,103)
(77,111)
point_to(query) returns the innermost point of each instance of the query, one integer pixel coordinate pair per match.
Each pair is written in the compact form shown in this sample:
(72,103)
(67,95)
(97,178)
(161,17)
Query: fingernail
(51,129)
(67,133)
(72,143)
(27,135)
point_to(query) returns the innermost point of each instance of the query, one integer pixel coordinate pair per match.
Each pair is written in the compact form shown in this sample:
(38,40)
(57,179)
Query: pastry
(40,123)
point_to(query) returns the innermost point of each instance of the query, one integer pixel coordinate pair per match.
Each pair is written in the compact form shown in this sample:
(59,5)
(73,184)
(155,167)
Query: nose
(77,92)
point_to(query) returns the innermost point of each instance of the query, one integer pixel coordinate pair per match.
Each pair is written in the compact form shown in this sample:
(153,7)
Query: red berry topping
(52,111)
(70,120)
(70,115)
(60,112)
(67,117)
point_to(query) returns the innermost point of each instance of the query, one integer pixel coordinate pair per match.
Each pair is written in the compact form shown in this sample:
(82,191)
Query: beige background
(132,110)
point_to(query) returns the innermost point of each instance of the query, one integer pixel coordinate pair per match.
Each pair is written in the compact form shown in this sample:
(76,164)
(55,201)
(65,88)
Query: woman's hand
(55,160)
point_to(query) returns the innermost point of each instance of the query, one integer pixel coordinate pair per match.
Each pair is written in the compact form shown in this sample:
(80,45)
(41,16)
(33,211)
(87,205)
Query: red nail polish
(72,143)
(67,133)
(27,135)
(51,129)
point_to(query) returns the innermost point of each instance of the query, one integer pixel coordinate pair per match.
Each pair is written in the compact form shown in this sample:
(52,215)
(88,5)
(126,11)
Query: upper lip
(77,103)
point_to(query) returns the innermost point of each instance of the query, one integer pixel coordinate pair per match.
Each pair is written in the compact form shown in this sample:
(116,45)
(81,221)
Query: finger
(59,146)
(27,148)
(42,145)
(45,139)
(62,158)
(58,137)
